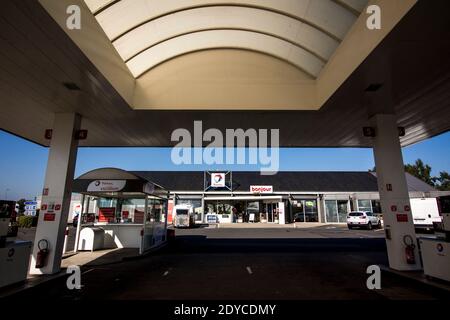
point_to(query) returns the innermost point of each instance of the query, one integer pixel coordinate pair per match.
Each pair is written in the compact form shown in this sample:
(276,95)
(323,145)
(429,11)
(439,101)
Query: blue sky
(23,164)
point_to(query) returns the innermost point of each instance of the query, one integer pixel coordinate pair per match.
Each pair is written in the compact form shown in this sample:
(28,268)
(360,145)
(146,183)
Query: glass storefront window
(196,204)
(298,211)
(376,206)
(311,212)
(364,205)
(331,211)
(253,209)
(369,205)
(120,210)
(342,210)
(304,211)
(336,211)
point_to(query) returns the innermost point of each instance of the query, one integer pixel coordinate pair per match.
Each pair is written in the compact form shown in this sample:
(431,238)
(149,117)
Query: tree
(21,204)
(442,182)
(421,171)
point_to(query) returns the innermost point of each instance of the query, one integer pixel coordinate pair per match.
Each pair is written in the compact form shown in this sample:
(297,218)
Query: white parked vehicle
(363,219)
(183,216)
(425,212)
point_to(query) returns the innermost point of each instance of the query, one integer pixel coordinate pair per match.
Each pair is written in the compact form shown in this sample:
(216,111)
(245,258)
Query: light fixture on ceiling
(374,87)
(71,86)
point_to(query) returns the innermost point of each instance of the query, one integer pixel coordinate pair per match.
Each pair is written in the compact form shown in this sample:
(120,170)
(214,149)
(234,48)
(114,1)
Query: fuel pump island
(435,251)
(14,255)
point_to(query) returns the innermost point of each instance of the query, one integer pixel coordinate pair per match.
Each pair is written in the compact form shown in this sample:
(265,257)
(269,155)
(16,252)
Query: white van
(425,211)
(183,216)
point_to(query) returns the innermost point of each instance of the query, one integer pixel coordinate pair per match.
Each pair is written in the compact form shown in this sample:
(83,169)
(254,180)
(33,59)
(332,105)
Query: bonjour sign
(261,189)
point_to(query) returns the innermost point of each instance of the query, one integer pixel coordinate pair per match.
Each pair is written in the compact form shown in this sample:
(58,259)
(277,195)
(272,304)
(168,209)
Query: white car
(364,219)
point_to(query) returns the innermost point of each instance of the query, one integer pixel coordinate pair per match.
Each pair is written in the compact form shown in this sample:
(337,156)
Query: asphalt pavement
(209,264)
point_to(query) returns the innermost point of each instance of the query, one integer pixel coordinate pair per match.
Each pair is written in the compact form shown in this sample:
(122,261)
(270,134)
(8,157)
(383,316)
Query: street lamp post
(6,193)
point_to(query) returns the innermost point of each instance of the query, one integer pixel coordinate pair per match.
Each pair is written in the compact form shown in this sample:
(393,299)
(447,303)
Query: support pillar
(393,189)
(58,191)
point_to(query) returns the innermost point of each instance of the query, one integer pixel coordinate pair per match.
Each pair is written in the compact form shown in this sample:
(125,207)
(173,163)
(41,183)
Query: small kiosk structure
(130,211)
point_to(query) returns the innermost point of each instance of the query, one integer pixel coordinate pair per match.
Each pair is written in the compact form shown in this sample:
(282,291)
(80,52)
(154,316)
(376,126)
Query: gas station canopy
(139,69)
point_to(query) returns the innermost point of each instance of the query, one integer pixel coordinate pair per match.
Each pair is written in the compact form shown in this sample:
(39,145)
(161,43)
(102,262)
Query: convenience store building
(286,197)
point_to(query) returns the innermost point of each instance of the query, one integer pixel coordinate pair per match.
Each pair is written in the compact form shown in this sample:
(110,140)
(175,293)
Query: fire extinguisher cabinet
(91,239)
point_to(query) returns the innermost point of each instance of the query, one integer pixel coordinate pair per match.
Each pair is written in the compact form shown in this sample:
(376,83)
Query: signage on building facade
(218,180)
(106,185)
(261,189)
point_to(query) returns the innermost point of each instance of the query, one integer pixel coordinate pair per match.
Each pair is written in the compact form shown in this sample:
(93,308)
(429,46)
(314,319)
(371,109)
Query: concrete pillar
(58,190)
(319,208)
(393,191)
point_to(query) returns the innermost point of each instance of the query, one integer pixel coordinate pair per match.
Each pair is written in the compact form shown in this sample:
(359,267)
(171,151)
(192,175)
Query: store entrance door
(272,209)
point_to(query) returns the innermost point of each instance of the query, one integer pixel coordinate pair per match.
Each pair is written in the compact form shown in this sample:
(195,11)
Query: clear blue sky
(23,164)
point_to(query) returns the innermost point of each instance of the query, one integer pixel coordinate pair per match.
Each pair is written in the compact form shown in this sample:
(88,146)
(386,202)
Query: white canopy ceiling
(304,33)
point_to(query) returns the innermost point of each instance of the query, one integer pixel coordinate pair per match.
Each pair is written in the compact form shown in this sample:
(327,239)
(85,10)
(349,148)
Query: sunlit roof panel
(184,22)
(305,33)
(128,14)
(96,5)
(357,5)
(225,39)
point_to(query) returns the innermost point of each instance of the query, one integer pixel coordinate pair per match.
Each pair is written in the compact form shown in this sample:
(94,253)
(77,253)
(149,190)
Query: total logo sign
(261,189)
(217,179)
(106,185)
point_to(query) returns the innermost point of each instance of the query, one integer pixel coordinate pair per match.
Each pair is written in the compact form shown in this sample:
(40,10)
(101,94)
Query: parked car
(363,219)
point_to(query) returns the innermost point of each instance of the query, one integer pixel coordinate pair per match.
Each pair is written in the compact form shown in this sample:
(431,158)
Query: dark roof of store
(306,181)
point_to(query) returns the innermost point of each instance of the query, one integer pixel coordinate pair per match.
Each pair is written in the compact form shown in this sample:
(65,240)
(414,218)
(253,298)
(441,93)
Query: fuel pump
(14,254)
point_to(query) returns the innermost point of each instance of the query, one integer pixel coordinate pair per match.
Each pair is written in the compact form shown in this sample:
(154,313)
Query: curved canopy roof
(304,33)
(48,69)
(114,182)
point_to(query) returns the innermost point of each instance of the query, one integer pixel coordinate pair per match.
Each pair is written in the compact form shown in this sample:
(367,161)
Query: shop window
(365,205)
(311,212)
(304,211)
(252,212)
(298,211)
(196,204)
(342,210)
(331,211)
(336,211)
(376,206)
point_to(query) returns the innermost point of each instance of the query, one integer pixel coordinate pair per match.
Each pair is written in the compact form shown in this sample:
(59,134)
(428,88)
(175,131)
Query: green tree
(443,181)
(420,170)
(21,204)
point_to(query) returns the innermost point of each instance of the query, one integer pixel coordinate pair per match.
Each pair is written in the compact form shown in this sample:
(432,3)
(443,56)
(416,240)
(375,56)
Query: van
(425,212)
(183,216)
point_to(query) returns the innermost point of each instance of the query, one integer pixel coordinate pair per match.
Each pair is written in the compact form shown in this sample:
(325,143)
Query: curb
(424,282)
